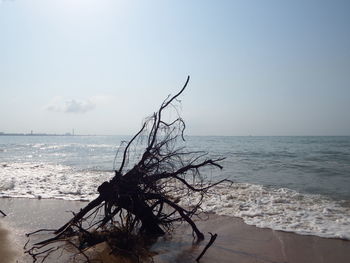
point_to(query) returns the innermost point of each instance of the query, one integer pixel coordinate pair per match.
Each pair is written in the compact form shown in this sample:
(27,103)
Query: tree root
(211,241)
(138,199)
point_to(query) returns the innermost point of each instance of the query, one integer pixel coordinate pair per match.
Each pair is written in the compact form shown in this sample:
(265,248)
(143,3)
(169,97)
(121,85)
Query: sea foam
(279,209)
(38,180)
(275,208)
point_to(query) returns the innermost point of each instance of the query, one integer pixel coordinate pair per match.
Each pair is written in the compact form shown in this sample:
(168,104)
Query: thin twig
(211,241)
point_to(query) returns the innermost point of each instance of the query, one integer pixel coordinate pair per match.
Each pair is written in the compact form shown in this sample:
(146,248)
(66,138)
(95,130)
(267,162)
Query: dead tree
(155,171)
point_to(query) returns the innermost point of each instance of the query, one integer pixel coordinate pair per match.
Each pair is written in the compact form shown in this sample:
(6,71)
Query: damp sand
(236,241)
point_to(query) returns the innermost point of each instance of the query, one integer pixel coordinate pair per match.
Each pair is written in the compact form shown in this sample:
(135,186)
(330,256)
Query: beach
(131,129)
(7,253)
(26,215)
(296,184)
(236,241)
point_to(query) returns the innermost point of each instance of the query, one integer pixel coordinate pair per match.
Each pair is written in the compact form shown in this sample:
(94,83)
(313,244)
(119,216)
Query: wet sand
(236,242)
(28,215)
(7,253)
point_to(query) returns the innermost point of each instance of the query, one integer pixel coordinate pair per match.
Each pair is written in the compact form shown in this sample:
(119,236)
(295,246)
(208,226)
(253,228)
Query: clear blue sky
(257,67)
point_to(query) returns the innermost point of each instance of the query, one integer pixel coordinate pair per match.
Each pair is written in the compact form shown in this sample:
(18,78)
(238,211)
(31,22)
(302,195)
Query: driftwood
(2,213)
(211,241)
(141,200)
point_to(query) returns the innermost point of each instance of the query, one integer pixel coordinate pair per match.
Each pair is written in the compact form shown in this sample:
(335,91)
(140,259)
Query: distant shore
(53,134)
(36,134)
(236,242)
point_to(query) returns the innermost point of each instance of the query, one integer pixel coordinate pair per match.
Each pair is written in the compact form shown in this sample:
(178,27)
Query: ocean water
(297,184)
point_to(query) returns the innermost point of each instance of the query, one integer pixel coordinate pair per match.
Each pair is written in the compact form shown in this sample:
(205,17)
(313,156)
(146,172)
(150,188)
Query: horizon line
(191,135)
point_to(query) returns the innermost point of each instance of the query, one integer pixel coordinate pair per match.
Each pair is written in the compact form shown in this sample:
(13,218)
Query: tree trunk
(144,213)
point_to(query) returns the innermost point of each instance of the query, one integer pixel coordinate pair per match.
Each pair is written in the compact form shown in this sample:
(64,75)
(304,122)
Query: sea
(295,184)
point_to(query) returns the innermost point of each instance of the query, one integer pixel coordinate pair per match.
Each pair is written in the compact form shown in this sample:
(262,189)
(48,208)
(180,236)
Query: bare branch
(142,199)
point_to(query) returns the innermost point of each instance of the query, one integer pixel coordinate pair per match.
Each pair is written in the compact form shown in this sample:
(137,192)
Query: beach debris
(211,241)
(141,202)
(2,213)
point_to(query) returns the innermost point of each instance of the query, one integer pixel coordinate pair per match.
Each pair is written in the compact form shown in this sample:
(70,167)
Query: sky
(257,68)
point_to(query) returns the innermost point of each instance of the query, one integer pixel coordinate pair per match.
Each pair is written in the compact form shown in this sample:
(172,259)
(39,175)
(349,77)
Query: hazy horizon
(259,68)
(129,135)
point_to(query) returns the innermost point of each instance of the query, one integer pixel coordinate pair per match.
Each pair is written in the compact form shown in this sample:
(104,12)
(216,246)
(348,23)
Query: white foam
(279,209)
(37,180)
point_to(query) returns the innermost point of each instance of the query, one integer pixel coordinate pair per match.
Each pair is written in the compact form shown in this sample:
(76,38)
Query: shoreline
(236,242)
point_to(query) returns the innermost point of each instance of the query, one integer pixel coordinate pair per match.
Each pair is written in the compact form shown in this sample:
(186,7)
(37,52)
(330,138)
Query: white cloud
(60,104)
(78,106)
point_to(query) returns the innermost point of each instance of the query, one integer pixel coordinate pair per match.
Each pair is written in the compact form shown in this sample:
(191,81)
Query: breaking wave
(275,208)
(279,209)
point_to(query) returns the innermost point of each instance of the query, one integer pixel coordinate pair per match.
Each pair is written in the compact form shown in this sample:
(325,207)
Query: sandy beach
(7,253)
(236,242)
